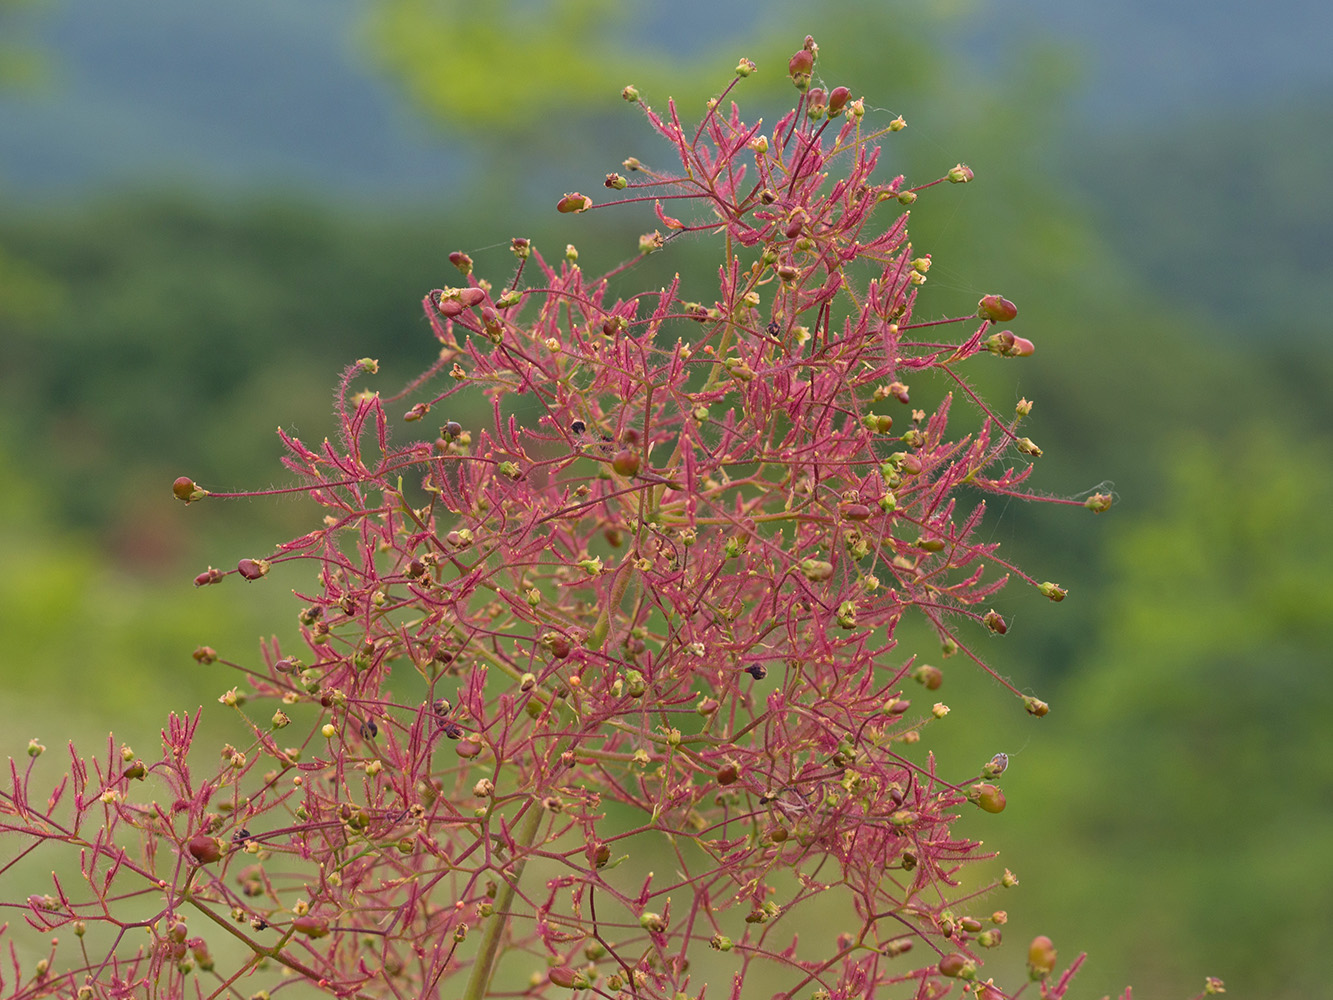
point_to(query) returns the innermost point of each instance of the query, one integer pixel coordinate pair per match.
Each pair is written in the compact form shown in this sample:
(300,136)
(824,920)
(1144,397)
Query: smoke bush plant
(605,688)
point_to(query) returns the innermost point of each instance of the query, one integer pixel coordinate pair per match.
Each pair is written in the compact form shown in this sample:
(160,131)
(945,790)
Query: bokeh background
(207,210)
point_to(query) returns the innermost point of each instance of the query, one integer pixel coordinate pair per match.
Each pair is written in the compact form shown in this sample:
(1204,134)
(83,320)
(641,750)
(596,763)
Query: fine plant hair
(598,694)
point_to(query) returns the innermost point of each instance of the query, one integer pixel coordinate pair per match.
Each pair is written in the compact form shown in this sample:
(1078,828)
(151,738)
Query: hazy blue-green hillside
(1196,136)
(1229,211)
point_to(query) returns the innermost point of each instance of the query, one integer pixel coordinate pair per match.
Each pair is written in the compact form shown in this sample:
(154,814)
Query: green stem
(480,980)
(618,587)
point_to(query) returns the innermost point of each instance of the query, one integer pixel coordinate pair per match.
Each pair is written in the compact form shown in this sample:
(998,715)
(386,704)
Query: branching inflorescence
(600,693)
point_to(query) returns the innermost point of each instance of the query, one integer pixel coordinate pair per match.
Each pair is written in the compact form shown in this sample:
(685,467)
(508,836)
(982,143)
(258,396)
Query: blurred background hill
(208,210)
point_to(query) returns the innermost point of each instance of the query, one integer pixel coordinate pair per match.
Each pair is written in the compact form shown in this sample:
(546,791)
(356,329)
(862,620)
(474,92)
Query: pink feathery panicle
(602,677)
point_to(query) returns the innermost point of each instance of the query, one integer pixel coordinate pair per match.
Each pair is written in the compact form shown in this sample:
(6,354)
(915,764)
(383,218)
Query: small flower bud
(996,308)
(252,569)
(1052,590)
(957,966)
(573,203)
(931,677)
(738,369)
(558,644)
(800,67)
(311,927)
(204,849)
(816,570)
(815,103)
(960,174)
(1098,503)
(564,976)
(1006,345)
(35,748)
(987,796)
(461,261)
(837,101)
(1035,706)
(626,462)
(631,94)
(720,942)
(652,922)
(854,511)
(185,490)
(1041,957)
(1028,447)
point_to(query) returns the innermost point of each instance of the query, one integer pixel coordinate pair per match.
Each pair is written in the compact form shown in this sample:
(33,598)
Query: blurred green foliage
(1187,790)
(22,66)
(161,335)
(1169,816)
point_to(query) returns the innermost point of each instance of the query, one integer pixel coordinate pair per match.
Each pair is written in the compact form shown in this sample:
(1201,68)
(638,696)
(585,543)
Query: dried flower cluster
(599,694)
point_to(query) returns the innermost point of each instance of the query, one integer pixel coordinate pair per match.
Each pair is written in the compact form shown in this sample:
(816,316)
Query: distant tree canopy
(506,69)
